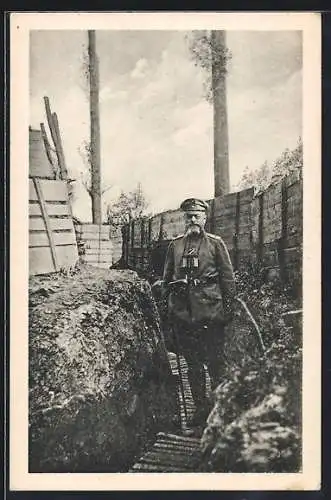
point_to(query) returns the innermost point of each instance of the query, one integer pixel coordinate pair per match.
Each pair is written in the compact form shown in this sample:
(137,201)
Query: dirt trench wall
(255,425)
(99,379)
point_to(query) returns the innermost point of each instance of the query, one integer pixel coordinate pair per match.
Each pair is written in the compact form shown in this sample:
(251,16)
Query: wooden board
(53,209)
(174,216)
(39,165)
(155,227)
(145,232)
(92,228)
(92,237)
(244,219)
(244,242)
(40,259)
(292,178)
(246,195)
(96,258)
(95,251)
(52,190)
(230,199)
(52,239)
(92,232)
(40,239)
(137,234)
(95,244)
(38,224)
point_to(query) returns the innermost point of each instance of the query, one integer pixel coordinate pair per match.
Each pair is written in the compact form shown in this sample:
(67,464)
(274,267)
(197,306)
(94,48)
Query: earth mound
(100,384)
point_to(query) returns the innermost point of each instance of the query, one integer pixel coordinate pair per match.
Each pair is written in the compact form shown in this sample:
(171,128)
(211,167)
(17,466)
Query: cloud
(262,123)
(263,58)
(140,69)
(195,121)
(107,94)
(156,126)
(161,134)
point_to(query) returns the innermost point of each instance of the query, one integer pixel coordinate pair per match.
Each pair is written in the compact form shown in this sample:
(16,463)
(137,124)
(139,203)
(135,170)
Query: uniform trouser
(201,345)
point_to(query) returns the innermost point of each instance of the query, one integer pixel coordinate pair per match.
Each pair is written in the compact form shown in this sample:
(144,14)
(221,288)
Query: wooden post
(142,232)
(236,233)
(161,232)
(261,235)
(142,243)
(149,245)
(42,204)
(149,231)
(59,148)
(56,137)
(221,140)
(132,232)
(252,258)
(94,129)
(211,218)
(48,148)
(50,121)
(283,239)
(131,247)
(125,242)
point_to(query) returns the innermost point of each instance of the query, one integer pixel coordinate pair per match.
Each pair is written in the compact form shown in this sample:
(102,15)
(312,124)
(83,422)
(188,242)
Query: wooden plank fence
(264,230)
(52,240)
(95,244)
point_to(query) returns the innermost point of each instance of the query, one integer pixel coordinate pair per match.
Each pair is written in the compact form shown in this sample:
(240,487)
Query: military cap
(194,204)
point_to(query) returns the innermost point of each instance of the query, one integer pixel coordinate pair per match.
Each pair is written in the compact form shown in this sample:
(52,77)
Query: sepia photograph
(170,176)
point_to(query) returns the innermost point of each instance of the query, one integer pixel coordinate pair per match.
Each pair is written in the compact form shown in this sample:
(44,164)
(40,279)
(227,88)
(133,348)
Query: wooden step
(170,453)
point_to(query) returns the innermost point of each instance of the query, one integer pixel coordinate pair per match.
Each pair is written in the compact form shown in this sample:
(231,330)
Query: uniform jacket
(207,300)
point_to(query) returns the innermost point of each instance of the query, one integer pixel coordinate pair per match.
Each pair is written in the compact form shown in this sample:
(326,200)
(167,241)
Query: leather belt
(205,280)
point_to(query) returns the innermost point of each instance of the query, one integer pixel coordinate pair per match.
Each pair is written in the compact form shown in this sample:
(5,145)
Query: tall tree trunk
(221,139)
(94,130)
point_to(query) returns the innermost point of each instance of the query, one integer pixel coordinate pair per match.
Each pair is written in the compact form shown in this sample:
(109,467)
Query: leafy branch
(209,52)
(85,153)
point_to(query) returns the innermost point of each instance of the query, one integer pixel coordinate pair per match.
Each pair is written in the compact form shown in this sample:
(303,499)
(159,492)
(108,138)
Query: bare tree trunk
(95,130)
(221,139)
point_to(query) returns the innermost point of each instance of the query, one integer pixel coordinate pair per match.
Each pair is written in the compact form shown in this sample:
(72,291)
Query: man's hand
(158,289)
(158,284)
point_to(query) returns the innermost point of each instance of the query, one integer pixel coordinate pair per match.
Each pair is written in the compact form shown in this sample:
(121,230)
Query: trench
(111,356)
(175,451)
(257,424)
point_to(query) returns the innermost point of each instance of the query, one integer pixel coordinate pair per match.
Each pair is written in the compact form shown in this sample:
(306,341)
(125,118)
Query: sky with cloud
(156,126)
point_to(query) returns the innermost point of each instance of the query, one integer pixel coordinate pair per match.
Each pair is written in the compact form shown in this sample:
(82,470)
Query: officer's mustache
(193,229)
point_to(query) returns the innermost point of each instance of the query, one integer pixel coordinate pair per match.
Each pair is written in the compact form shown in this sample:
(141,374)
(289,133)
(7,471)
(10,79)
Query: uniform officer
(198,277)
